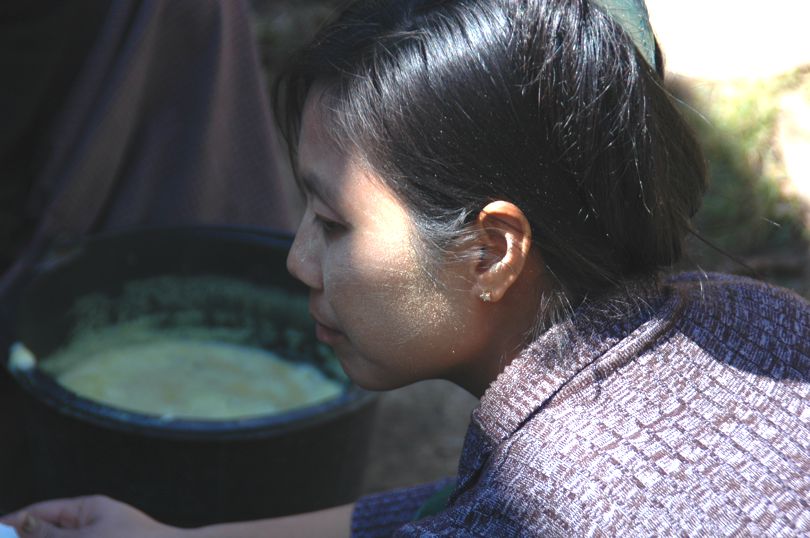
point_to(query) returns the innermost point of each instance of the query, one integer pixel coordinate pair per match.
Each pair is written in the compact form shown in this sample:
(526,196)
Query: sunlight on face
(388,321)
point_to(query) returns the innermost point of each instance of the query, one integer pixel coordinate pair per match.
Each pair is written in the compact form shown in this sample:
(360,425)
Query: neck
(511,324)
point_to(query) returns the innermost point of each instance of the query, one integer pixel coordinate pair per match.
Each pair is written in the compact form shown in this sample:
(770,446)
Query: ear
(506,238)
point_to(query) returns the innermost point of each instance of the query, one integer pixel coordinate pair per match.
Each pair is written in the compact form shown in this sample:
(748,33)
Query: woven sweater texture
(685,411)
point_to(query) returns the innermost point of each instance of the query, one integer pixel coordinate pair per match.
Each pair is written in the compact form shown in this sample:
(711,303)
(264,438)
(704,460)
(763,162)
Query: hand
(86,517)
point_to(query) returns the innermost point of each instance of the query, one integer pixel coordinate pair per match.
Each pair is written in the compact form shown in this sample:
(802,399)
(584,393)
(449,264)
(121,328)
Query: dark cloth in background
(118,114)
(40,62)
(165,122)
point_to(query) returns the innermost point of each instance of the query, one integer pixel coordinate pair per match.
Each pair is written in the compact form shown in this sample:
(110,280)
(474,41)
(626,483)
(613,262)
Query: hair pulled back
(544,103)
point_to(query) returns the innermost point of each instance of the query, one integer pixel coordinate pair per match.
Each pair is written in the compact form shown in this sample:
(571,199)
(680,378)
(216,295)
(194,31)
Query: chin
(376,385)
(368,377)
(368,381)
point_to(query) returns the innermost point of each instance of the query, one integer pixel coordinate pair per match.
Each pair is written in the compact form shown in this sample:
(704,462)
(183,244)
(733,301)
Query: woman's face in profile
(388,321)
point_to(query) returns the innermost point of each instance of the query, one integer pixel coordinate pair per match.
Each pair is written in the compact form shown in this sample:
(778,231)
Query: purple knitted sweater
(684,411)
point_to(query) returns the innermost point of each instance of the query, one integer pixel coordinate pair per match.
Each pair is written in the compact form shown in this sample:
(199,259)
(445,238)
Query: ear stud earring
(486,296)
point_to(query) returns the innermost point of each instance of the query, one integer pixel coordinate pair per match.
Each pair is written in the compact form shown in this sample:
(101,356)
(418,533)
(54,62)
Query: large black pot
(185,472)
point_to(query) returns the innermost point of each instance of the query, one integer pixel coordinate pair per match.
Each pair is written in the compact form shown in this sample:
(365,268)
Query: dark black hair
(544,103)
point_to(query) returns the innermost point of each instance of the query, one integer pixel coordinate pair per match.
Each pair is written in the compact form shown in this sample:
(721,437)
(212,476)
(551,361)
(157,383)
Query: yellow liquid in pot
(187,378)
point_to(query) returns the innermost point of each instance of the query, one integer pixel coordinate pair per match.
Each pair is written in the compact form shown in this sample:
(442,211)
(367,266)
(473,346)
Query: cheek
(370,282)
(391,311)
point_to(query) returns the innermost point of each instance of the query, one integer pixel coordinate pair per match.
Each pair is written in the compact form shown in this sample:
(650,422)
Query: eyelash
(328,226)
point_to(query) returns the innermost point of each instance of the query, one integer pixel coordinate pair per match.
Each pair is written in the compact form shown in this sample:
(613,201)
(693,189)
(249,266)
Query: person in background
(121,114)
(133,113)
(496,192)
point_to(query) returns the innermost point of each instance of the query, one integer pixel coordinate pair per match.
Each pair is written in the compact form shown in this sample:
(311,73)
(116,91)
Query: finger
(33,527)
(13,519)
(65,513)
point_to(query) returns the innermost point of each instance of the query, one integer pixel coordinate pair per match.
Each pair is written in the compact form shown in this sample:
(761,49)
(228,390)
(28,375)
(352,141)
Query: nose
(303,260)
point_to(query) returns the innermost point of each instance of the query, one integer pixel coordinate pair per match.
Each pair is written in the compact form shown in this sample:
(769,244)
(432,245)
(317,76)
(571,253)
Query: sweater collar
(561,362)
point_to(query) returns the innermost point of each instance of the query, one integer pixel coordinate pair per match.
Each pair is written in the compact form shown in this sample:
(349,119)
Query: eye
(330,227)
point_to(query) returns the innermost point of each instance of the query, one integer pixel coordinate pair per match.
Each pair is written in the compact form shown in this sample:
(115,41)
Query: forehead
(314,123)
(327,169)
(322,167)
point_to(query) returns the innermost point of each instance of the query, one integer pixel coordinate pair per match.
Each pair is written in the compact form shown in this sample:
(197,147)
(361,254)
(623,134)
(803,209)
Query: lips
(323,332)
(327,335)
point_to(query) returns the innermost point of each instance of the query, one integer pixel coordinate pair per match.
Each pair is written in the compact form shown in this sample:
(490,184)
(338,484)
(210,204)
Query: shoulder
(704,430)
(745,323)
(711,294)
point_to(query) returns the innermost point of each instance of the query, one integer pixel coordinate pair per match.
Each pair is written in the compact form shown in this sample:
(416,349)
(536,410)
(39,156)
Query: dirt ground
(418,435)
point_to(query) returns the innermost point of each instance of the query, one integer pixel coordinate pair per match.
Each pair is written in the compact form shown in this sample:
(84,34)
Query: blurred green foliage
(746,211)
(284,26)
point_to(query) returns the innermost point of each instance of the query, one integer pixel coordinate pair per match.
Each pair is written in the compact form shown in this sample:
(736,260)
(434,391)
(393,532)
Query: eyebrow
(309,182)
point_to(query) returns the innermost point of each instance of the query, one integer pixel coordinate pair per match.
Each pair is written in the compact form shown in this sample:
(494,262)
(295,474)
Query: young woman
(495,190)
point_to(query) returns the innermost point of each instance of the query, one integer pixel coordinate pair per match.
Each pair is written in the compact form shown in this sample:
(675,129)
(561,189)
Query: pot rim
(43,388)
